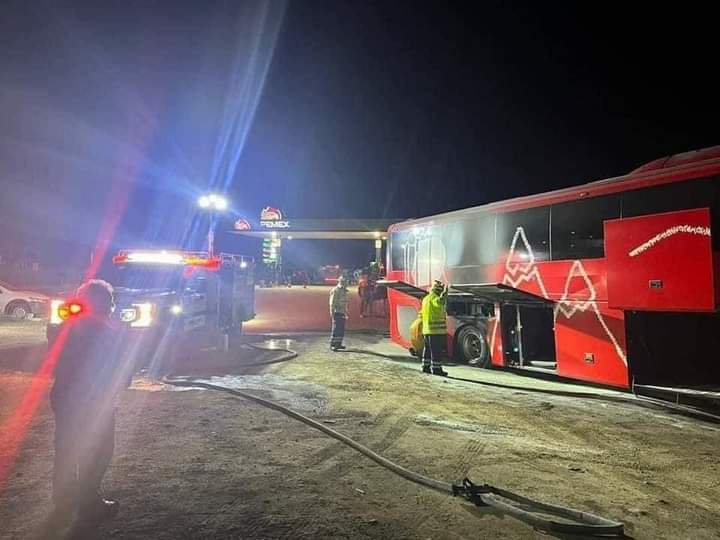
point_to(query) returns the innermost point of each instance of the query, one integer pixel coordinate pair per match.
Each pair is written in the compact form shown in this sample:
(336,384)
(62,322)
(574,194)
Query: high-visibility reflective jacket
(434,313)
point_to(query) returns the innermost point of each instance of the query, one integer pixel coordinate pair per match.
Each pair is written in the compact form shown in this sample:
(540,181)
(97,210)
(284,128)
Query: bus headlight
(144,315)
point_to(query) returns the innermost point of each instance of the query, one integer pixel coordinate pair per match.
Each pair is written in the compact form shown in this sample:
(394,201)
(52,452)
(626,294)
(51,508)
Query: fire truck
(172,302)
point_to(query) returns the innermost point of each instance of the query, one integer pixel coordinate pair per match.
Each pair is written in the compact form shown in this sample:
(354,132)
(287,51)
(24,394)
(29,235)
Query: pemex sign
(272,218)
(242,224)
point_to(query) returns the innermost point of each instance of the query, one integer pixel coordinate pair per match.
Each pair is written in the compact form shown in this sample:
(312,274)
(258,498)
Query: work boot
(341,347)
(426,369)
(99,510)
(439,371)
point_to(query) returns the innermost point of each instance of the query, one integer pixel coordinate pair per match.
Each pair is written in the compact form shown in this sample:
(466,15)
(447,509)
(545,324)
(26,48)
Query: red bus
(610,282)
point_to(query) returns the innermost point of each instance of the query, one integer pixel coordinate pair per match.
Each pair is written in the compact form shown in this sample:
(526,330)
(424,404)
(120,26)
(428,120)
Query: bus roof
(674,168)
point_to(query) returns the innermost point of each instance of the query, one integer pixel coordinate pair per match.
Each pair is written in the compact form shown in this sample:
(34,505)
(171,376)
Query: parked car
(21,304)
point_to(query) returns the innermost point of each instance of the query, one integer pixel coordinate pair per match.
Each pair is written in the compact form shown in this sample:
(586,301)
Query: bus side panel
(573,280)
(403,311)
(590,343)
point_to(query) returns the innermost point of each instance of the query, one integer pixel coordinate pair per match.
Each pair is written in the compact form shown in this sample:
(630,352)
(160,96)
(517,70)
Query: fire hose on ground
(523,508)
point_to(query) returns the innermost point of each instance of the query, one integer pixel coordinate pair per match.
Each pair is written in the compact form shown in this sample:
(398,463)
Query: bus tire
(471,347)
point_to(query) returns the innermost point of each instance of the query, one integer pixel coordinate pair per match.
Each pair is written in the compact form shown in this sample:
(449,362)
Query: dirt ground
(199,464)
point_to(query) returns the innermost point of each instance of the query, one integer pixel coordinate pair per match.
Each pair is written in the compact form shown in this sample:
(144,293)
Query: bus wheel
(471,347)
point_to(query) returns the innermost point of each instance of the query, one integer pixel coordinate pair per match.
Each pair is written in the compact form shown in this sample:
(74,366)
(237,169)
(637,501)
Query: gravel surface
(199,464)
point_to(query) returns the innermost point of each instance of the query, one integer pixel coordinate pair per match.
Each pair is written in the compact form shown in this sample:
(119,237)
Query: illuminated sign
(272,218)
(242,225)
(270,250)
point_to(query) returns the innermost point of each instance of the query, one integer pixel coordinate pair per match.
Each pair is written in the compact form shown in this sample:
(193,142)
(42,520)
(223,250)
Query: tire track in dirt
(389,438)
(336,447)
(463,461)
(344,466)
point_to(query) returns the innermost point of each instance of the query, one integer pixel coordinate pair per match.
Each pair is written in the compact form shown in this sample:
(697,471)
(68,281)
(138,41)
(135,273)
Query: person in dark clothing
(89,375)
(339,309)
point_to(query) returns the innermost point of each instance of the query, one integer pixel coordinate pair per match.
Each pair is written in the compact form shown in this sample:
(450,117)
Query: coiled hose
(482,495)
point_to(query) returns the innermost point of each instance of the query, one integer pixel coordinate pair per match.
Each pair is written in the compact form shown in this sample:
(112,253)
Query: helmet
(438,287)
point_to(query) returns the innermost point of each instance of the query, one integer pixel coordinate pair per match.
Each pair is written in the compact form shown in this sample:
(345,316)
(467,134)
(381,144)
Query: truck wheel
(471,347)
(18,310)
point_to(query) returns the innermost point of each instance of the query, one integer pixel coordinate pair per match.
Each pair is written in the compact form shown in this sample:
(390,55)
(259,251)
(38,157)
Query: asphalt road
(282,310)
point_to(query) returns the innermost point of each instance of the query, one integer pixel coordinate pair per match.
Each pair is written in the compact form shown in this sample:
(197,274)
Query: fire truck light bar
(166,257)
(149,257)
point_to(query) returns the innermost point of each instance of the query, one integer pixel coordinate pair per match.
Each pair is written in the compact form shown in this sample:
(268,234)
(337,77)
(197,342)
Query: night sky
(330,108)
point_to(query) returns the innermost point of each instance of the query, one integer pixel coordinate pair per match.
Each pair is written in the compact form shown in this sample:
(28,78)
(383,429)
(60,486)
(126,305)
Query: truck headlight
(128,315)
(54,311)
(144,315)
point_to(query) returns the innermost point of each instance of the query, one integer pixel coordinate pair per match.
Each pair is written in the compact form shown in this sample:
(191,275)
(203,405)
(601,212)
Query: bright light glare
(54,313)
(243,264)
(376,234)
(216,202)
(221,203)
(144,315)
(75,308)
(161,257)
(176,309)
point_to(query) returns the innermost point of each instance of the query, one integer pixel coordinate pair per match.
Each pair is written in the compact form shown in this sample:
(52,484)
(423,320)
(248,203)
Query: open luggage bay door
(502,294)
(661,262)
(482,292)
(405,288)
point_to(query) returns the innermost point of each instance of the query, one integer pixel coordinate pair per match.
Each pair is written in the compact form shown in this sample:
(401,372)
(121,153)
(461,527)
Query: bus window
(577,227)
(685,195)
(525,233)
(398,249)
(470,242)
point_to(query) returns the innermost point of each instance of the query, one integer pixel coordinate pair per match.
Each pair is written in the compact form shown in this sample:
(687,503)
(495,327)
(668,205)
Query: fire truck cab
(173,302)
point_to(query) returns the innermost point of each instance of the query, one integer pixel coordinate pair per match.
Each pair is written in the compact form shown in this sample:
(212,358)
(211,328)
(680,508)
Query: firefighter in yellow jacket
(434,328)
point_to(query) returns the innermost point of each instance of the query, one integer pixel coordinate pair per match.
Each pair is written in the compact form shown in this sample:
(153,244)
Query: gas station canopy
(316,229)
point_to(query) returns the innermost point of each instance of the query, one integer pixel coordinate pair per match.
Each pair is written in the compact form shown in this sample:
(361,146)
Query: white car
(20,304)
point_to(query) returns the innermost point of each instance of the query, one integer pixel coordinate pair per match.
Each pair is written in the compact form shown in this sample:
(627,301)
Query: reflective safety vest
(434,314)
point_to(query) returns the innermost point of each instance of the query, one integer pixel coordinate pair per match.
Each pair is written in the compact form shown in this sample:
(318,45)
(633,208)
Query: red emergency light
(70,309)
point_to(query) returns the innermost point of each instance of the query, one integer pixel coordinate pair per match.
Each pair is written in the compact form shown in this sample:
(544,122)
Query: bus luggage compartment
(660,262)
